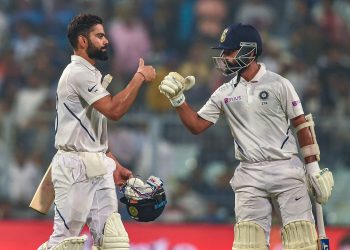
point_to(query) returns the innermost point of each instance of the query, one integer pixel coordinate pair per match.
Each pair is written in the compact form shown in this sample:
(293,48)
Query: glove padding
(321,182)
(173,86)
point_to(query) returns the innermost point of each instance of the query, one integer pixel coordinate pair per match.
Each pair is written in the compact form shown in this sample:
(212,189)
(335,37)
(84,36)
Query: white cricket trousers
(261,186)
(79,200)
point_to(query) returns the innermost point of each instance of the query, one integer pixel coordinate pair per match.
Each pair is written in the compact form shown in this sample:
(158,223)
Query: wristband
(142,75)
(177,101)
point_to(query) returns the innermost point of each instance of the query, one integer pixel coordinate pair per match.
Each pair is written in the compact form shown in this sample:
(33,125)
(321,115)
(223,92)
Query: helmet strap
(238,78)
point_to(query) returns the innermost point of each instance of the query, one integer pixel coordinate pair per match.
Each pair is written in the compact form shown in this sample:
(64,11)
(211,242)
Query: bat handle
(319,220)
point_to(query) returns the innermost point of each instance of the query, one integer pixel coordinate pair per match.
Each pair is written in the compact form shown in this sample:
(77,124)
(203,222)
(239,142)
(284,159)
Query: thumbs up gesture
(147,71)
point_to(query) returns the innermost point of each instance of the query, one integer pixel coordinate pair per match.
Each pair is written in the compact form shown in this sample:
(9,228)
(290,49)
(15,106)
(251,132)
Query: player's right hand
(173,86)
(147,71)
(121,175)
(321,182)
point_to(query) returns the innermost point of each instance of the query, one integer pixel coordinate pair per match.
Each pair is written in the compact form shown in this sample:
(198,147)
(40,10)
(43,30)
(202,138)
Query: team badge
(223,35)
(264,95)
(133,211)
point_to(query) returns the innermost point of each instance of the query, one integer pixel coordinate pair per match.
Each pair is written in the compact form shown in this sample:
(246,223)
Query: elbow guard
(313,149)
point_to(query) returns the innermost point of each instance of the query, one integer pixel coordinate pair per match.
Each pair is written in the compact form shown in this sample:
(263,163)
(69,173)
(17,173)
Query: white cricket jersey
(258,114)
(79,127)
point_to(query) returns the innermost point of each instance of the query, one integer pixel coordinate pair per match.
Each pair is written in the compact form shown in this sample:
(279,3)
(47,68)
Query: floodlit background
(307,41)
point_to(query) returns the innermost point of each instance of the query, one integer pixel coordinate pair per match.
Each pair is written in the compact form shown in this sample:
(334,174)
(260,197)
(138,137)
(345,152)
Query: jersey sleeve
(290,100)
(89,87)
(211,111)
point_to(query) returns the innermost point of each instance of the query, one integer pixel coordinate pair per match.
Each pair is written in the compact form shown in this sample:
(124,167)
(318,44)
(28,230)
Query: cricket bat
(44,195)
(322,241)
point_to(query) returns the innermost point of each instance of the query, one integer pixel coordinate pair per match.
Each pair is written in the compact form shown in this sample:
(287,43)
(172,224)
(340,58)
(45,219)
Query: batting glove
(173,86)
(321,182)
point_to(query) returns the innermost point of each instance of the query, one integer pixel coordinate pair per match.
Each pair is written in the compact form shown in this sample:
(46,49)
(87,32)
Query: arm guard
(312,149)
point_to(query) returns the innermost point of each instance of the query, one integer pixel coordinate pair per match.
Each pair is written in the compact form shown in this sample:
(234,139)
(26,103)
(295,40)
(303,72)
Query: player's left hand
(121,175)
(321,182)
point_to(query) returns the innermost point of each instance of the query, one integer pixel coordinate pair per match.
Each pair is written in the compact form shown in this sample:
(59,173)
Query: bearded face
(97,53)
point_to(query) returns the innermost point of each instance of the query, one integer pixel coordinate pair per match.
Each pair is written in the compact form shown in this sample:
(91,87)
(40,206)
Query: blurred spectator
(29,99)
(298,14)
(24,176)
(211,15)
(10,81)
(257,13)
(332,67)
(187,21)
(307,43)
(196,64)
(157,102)
(4,29)
(330,22)
(185,204)
(312,98)
(164,23)
(27,12)
(298,74)
(26,42)
(129,39)
(342,8)
(133,147)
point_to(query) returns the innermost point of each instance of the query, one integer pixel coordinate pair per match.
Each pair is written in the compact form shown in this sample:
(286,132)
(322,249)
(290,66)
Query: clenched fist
(173,86)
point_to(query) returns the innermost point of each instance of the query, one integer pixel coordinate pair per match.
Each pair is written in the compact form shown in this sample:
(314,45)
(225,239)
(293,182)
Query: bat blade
(44,195)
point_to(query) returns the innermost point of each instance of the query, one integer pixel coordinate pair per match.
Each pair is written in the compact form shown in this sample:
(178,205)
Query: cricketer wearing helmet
(261,108)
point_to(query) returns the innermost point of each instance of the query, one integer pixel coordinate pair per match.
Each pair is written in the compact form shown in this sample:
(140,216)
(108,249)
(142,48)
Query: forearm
(122,101)
(191,120)
(112,156)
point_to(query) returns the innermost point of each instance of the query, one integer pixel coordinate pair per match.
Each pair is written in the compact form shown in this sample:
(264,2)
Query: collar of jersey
(258,75)
(79,59)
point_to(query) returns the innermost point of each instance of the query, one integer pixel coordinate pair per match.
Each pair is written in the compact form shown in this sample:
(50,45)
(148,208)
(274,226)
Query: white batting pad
(249,235)
(299,235)
(115,237)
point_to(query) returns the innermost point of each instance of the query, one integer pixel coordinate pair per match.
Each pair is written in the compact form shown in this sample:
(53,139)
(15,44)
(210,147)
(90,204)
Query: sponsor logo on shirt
(295,103)
(232,99)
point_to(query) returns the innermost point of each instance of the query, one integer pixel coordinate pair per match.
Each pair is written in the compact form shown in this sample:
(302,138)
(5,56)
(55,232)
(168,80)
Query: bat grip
(319,220)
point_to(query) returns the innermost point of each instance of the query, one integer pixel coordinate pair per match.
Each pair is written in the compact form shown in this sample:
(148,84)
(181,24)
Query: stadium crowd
(307,41)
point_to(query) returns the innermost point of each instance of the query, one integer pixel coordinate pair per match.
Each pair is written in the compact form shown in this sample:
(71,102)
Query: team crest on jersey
(264,95)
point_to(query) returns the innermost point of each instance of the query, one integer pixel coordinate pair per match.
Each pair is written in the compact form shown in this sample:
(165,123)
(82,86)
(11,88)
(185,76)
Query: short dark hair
(81,25)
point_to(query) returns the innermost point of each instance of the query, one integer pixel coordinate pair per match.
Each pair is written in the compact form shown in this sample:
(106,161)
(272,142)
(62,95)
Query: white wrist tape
(313,149)
(178,100)
(312,167)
